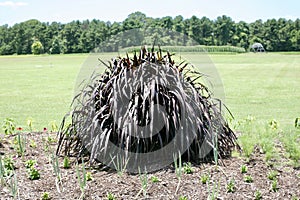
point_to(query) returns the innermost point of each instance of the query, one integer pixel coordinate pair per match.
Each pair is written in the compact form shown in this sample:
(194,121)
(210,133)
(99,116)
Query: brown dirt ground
(127,186)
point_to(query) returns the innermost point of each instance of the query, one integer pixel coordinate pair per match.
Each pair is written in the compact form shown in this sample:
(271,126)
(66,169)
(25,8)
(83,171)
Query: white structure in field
(258,47)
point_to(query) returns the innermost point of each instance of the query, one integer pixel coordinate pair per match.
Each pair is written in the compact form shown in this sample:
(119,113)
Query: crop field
(262,85)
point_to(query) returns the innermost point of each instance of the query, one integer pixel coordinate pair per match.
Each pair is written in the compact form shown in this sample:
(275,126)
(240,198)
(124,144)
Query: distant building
(258,47)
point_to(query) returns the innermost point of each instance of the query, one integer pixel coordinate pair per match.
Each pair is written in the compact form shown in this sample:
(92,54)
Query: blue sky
(15,11)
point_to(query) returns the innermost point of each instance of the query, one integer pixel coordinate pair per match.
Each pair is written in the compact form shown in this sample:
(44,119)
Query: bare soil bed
(128,186)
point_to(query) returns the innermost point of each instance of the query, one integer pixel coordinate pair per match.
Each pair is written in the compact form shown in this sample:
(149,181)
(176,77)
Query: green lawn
(262,85)
(41,87)
(37,87)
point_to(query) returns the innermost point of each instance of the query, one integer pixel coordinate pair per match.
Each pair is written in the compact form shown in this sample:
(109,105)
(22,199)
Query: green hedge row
(198,48)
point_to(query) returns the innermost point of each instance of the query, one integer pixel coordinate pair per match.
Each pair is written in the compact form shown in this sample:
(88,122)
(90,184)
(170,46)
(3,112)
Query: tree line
(33,36)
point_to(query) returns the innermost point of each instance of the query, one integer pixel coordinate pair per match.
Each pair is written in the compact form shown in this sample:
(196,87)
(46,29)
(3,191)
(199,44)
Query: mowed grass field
(41,88)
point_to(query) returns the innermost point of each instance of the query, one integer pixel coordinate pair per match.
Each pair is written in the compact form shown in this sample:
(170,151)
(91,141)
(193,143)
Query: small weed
(66,163)
(120,164)
(144,182)
(204,178)
(32,144)
(247,145)
(51,140)
(56,168)
(183,198)
(178,170)
(244,169)
(292,147)
(178,167)
(231,186)
(30,124)
(274,185)
(187,168)
(154,179)
(54,127)
(272,175)
(33,173)
(30,163)
(274,124)
(9,126)
(45,196)
(6,168)
(13,185)
(257,195)
(81,181)
(213,194)
(89,176)
(19,144)
(248,179)
(8,163)
(110,196)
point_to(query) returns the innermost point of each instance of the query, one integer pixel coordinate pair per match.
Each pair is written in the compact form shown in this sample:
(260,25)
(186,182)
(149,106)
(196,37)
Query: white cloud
(13,4)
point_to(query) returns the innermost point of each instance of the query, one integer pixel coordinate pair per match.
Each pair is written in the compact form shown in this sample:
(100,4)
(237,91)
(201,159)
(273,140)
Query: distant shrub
(37,48)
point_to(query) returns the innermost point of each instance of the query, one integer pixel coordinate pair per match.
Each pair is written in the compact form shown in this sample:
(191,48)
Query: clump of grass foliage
(257,134)
(291,141)
(95,110)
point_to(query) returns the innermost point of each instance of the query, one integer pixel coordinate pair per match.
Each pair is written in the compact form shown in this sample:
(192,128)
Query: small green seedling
(274,185)
(20,144)
(204,178)
(66,163)
(257,195)
(89,176)
(244,169)
(30,163)
(32,144)
(110,196)
(81,179)
(13,186)
(55,166)
(248,179)
(231,186)
(8,163)
(272,175)
(45,196)
(144,182)
(54,126)
(154,179)
(187,168)
(183,198)
(33,173)
(30,124)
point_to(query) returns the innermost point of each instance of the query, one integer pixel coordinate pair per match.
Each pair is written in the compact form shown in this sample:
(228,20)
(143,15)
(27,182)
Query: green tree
(56,46)
(224,30)
(134,20)
(37,47)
